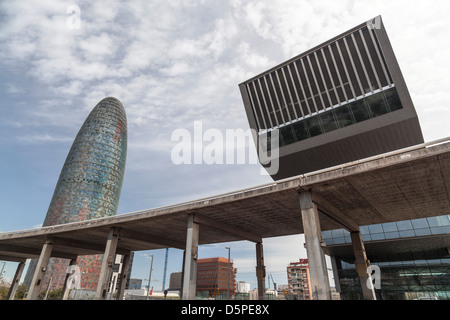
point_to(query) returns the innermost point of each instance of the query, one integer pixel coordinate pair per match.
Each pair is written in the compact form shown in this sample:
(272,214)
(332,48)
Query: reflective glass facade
(406,274)
(341,71)
(392,230)
(90,183)
(370,107)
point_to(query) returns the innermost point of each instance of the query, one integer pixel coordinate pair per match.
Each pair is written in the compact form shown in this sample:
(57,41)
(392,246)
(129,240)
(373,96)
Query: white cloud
(32,139)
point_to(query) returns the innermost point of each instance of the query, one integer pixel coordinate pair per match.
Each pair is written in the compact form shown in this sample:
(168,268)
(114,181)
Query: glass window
(326,234)
(377,104)
(359,110)
(343,116)
(404,225)
(328,121)
(389,227)
(339,240)
(439,221)
(300,131)
(313,126)
(406,234)
(378,236)
(392,99)
(337,233)
(419,223)
(392,235)
(287,136)
(375,228)
(364,230)
(422,232)
(440,230)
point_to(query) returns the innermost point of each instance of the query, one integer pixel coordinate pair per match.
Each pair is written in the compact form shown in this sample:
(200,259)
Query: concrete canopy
(401,185)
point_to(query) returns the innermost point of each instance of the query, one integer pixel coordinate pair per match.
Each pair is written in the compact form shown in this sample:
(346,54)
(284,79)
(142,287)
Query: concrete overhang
(406,184)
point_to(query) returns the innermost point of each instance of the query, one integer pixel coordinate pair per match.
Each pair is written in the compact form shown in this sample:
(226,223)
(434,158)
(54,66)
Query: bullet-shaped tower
(89,185)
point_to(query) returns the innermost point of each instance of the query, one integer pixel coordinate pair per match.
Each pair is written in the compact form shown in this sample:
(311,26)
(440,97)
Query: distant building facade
(299,281)
(134,284)
(214,275)
(175,282)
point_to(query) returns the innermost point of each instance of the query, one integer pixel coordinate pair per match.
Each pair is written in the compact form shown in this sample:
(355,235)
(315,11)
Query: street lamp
(228,285)
(150,276)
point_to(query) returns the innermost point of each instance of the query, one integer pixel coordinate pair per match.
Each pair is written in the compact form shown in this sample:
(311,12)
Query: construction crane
(274,284)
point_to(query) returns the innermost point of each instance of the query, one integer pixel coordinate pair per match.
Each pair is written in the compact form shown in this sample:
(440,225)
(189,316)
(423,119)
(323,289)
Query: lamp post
(228,285)
(150,277)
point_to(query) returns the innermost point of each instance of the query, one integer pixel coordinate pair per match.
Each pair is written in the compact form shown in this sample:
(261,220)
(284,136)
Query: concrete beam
(362,266)
(222,226)
(313,239)
(41,267)
(107,263)
(15,282)
(8,257)
(330,211)
(148,238)
(90,248)
(260,271)
(190,261)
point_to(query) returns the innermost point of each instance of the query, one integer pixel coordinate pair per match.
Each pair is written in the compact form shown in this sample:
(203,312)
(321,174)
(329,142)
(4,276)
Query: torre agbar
(88,187)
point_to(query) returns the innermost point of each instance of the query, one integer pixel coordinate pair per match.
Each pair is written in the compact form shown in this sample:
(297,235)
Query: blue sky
(172,63)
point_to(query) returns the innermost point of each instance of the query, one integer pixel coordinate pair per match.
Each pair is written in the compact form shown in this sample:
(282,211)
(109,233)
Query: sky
(173,63)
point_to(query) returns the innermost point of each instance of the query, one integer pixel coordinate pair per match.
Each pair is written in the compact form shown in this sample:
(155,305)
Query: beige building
(299,281)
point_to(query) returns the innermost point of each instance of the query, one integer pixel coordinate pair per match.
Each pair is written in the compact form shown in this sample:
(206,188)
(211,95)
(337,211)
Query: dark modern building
(340,101)
(413,257)
(89,185)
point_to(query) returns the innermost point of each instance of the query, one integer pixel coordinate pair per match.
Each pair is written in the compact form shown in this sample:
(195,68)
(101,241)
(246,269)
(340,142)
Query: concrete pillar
(123,276)
(15,282)
(190,261)
(362,266)
(260,271)
(39,272)
(182,273)
(66,287)
(107,263)
(320,285)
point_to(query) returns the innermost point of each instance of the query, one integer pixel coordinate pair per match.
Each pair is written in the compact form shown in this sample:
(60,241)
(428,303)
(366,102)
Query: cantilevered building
(89,185)
(341,101)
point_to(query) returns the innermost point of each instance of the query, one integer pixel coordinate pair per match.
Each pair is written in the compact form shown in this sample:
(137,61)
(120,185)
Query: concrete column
(123,276)
(107,263)
(362,266)
(190,261)
(39,272)
(320,285)
(15,282)
(260,271)
(66,287)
